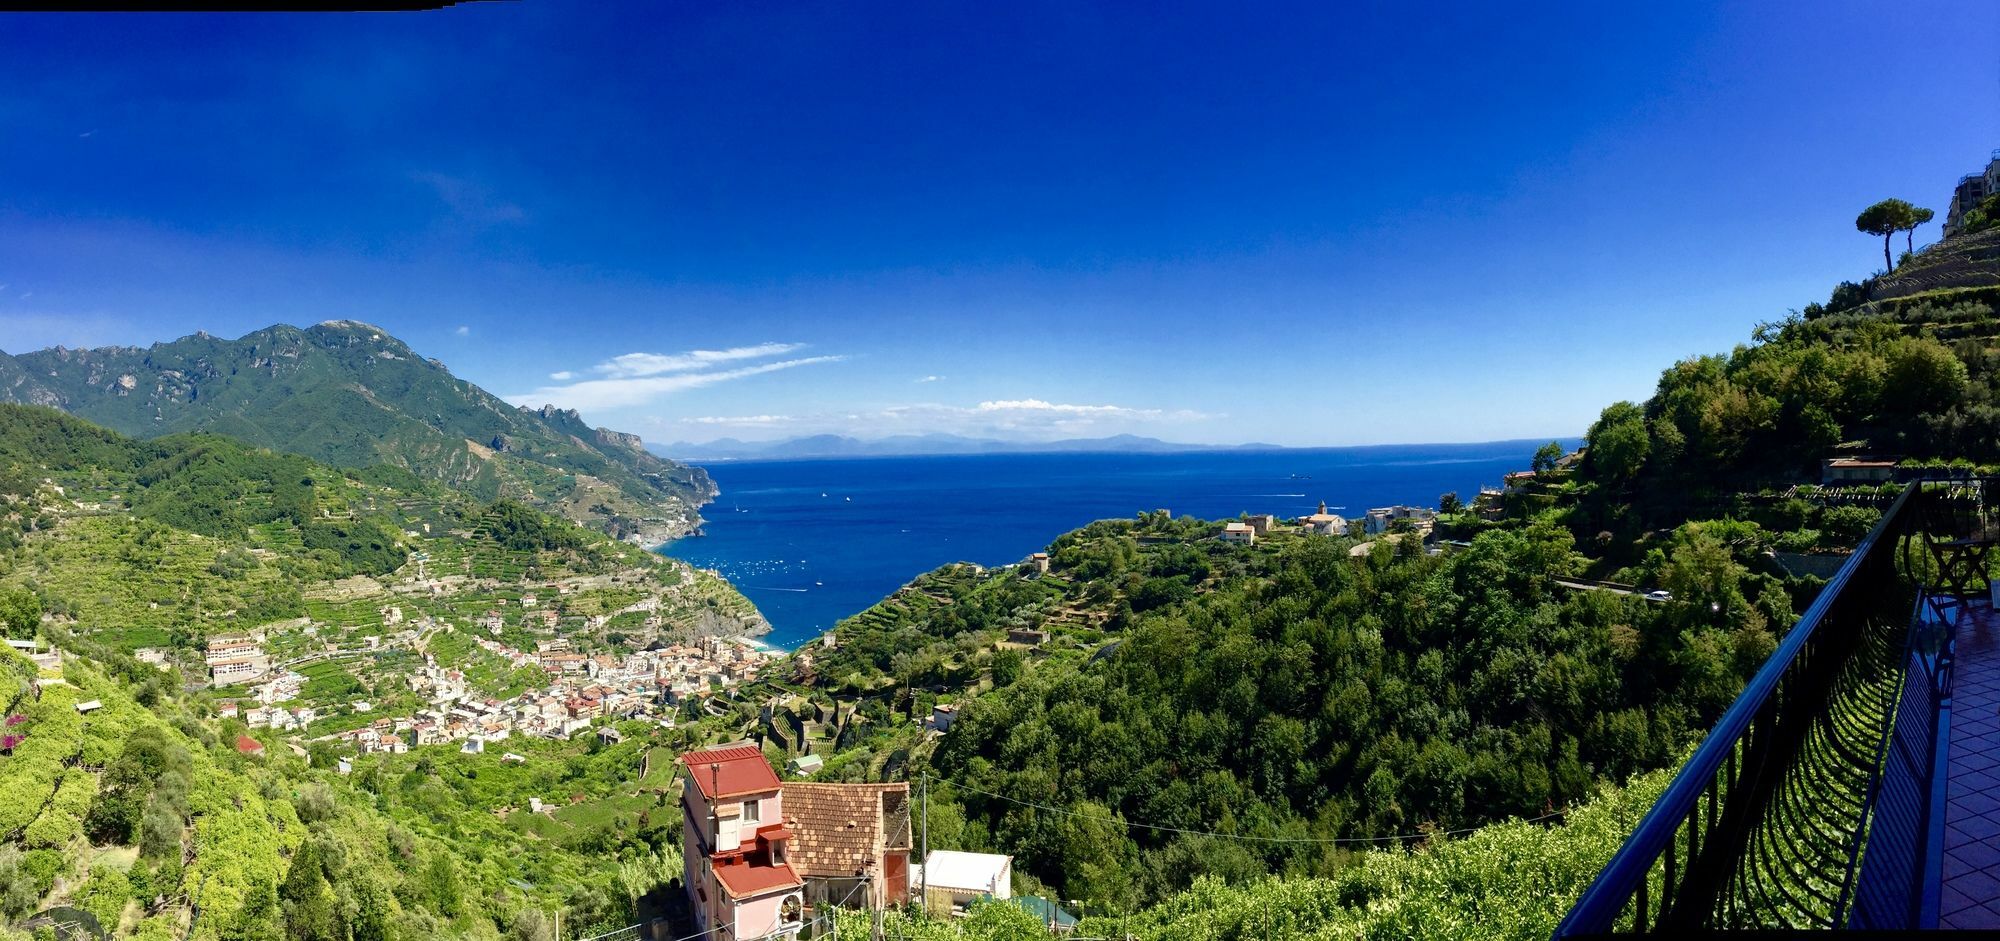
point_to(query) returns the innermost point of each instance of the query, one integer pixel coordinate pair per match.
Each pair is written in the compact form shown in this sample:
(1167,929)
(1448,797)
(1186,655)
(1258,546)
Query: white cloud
(1037,405)
(463,331)
(931,379)
(562,375)
(653,364)
(1012,419)
(638,390)
(739,420)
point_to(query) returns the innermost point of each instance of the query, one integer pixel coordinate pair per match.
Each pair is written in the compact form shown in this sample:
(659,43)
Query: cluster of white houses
(1323,523)
(648,684)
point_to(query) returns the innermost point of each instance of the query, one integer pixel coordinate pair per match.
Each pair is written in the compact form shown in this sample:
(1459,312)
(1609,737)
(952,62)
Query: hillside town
(656,684)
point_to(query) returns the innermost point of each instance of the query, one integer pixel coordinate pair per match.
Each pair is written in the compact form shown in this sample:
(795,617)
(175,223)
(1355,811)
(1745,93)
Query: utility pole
(876,902)
(925,798)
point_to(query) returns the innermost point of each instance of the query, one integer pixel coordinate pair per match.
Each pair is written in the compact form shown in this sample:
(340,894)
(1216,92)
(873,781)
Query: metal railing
(1763,826)
(1900,869)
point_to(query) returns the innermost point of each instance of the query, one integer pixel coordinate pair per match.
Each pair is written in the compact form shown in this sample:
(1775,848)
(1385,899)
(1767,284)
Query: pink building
(741,885)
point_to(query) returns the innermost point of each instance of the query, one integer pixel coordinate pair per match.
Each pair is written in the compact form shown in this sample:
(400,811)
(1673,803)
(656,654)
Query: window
(749,812)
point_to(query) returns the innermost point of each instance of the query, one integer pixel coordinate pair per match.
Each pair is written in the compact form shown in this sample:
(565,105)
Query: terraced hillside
(349,394)
(1966,262)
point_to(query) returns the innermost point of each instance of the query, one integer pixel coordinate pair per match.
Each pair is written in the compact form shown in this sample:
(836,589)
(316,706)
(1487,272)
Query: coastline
(829,539)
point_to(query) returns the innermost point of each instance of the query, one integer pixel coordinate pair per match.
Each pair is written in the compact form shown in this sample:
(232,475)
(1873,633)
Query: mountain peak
(348,393)
(349,325)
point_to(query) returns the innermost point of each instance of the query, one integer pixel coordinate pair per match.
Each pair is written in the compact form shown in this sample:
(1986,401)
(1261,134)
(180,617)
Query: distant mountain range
(349,394)
(829,446)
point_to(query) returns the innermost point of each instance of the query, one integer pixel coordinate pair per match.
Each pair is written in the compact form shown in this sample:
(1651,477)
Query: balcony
(1855,784)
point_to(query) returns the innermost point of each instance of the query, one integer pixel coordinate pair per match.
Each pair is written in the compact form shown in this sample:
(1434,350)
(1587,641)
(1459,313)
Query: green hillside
(1310,689)
(158,543)
(154,822)
(348,394)
(144,813)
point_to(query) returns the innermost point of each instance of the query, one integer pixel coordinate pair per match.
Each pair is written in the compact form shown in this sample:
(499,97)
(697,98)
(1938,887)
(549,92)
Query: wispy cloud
(931,379)
(653,364)
(1033,406)
(470,201)
(463,331)
(746,421)
(562,375)
(638,390)
(1019,419)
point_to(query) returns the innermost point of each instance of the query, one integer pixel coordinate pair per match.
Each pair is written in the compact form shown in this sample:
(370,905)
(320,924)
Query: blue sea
(811,542)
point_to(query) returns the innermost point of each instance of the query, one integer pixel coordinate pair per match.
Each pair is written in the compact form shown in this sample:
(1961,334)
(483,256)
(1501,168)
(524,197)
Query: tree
(1007,667)
(1546,457)
(1885,219)
(372,906)
(308,900)
(534,926)
(159,832)
(1619,442)
(315,803)
(1918,216)
(440,885)
(1449,503)
(259,919)
(20,612)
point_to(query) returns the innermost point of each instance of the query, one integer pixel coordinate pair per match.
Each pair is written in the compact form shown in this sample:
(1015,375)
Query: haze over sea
(812,542)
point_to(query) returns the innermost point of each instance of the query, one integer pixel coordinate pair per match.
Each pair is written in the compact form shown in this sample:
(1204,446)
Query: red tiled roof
(743,880)
(839,828)
(729,772)
(248,745)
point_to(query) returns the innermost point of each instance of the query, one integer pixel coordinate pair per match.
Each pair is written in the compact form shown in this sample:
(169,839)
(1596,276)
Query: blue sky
(1307,224)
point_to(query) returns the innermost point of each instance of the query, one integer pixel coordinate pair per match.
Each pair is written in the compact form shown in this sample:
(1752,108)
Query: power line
(1233,836)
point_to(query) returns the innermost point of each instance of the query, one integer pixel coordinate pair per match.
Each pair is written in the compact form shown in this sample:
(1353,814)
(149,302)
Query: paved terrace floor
(1971,869)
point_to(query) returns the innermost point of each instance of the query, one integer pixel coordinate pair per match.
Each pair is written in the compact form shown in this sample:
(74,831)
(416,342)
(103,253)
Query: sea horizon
(814,540)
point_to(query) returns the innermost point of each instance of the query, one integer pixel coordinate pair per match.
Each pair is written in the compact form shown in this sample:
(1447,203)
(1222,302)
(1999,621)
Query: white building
(951,880)
(1324,523)
(1379,519)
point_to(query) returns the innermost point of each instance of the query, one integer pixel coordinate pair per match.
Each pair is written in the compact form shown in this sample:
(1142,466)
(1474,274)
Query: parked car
(1659,594)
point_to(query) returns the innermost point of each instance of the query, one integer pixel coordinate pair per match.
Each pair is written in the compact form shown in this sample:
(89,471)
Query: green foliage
(1767,414)
(1506,882)
(1298,692)
(520,529)
(1887,218)
(1546,457)
(104,894)
(1619,442)
(308,902)
(20,612)
(259,918)
(21,887)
